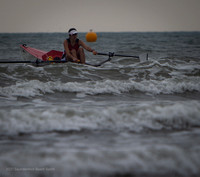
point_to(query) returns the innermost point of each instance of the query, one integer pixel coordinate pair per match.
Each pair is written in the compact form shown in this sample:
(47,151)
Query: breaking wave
(168,86)
(136,118)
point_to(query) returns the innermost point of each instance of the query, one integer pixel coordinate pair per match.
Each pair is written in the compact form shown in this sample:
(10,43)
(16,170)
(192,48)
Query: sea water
(125,118)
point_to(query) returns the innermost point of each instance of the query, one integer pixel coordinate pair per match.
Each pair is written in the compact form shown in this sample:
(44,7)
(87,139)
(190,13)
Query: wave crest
(168,86)
(144,117)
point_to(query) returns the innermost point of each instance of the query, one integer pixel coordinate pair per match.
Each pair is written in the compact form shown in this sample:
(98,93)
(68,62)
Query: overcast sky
(99,15)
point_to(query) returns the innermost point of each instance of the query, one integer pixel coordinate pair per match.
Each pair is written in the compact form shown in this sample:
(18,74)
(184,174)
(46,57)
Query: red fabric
(53,53)
(35,52)
(42,55)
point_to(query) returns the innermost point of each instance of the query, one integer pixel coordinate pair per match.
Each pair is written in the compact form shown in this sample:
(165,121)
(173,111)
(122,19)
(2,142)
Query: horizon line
(173,31)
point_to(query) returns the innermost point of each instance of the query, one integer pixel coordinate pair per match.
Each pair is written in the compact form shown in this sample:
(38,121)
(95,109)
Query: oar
(17,61)
(112,54)
(99,64)
(37,61)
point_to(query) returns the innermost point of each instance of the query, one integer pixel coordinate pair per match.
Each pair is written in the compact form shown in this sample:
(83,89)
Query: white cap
(73,32)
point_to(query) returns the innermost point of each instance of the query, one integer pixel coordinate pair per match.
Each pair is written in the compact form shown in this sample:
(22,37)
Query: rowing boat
(41,58)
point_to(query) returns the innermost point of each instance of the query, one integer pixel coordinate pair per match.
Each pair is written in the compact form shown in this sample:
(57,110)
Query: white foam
(152,116)
(168,86)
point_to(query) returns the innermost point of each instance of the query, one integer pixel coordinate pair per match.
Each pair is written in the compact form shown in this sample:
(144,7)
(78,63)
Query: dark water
(125,118)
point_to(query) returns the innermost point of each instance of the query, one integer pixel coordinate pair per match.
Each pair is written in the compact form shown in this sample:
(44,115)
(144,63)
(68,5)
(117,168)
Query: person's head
(72,32)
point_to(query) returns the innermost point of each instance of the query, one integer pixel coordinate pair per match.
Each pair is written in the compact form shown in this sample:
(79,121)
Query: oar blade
(143,57)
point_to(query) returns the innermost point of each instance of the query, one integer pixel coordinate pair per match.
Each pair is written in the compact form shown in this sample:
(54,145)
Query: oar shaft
(103,54)
(36,61)
(126,56)
(17,62)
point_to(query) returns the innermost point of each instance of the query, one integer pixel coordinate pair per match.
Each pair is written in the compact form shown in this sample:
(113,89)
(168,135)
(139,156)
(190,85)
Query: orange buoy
(91,36)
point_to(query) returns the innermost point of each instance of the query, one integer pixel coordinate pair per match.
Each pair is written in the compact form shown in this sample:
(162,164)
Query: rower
(74,48)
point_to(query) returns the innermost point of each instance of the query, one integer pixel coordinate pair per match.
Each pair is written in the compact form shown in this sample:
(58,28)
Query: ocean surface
(126,118)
